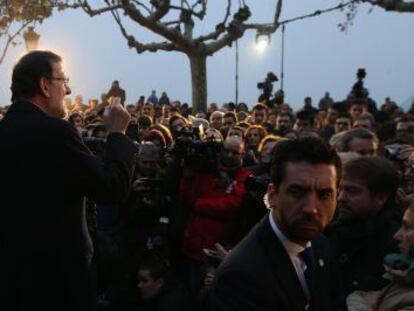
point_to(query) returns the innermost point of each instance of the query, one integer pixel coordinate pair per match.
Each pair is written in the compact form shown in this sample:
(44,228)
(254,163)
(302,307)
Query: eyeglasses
(65,80)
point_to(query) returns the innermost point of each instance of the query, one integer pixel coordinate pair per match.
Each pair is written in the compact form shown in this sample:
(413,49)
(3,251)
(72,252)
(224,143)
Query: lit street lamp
(31,38)
(262,41)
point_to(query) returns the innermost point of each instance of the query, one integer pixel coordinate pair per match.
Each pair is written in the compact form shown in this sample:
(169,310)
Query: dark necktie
(308,257)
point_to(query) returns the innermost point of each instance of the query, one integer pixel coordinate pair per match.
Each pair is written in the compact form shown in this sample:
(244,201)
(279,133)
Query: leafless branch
(319,12)
(93,12)
(220,28)
(162,9)
(146,8)
(393,5)
(235,30)
(270,28)
(140,47)
(171,34)
(10,39)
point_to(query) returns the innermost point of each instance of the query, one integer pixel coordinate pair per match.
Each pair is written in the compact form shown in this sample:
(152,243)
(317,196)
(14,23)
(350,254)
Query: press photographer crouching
(212,199)
(145,217)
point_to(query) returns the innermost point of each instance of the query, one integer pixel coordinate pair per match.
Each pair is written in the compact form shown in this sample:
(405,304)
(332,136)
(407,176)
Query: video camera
(267,85)
(198,154)
(257,184)
(358,89)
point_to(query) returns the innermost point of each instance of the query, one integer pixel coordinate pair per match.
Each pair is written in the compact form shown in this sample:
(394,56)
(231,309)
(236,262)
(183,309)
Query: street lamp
(262,41)
(31,39)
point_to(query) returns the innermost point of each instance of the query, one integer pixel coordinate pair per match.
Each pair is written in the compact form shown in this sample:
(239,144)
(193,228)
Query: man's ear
(381,198)
(271,195)
(44,86)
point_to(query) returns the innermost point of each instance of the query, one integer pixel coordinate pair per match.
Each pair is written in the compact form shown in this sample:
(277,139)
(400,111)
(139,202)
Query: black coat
(258,275)
(46,171)
(359,249)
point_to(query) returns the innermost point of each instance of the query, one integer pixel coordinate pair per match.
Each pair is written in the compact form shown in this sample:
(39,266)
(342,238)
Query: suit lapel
(283,270)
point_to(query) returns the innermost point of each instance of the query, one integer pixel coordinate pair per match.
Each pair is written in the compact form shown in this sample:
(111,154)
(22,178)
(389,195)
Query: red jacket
(213,212)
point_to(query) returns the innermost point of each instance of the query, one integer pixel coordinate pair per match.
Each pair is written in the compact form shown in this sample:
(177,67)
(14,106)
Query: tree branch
(93,12)
(138,46)
(10,39)
(235,30)
(269,27)
(163,7)
(220,28)
(393,5)
(169,33)
(143,6)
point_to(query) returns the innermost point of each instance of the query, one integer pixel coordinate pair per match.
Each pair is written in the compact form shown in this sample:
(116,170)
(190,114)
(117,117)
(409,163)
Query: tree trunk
(199,82)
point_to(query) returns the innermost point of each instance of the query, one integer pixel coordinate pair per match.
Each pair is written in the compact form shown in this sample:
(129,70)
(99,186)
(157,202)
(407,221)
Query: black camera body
(392,152)
(358,89)
(257,184)
(267,85)
(198,155)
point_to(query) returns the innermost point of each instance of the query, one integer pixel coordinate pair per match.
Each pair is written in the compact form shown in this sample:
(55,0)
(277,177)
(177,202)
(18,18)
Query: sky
(318,56)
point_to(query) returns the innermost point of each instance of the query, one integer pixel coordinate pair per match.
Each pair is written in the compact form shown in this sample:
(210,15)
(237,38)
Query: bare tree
(175,21)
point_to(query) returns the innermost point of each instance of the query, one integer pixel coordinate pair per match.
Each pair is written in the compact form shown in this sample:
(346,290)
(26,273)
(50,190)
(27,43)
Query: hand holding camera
(399,152)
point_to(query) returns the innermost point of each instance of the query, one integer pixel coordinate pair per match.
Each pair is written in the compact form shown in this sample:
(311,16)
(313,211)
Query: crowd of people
(153,206)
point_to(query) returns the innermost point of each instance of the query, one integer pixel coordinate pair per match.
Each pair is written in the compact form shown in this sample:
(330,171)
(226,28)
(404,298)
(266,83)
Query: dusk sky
(318,57)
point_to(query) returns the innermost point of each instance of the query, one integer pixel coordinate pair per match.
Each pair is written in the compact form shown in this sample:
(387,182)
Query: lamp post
(31,39)
(282,65)
(237,73)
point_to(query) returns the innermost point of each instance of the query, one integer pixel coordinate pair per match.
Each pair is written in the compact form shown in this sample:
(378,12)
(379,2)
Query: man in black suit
(45,248)
(283,263)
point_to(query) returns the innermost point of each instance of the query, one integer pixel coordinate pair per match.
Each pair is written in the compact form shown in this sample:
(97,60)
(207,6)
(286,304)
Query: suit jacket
(259,275)
(46,171)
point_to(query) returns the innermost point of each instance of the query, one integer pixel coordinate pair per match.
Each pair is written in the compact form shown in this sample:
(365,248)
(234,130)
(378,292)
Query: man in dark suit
(45,248)
(283,263)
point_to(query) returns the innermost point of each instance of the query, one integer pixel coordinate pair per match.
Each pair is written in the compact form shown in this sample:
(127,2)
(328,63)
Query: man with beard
(213,200)
(367,220)
(283,263)
(284,123)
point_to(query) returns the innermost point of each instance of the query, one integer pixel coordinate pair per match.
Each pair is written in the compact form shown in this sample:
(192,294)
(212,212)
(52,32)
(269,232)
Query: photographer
(213,201)
(267,87)
(253,206)
(145,216)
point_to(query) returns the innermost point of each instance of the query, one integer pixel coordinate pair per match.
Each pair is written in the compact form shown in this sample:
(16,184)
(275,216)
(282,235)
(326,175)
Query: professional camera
(358,89)
(147,184)
(257,184)
(152,206)
(267,85)
(198,155)
(203,155)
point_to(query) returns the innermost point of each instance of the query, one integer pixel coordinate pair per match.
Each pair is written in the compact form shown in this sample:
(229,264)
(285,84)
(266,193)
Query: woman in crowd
(253,135)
